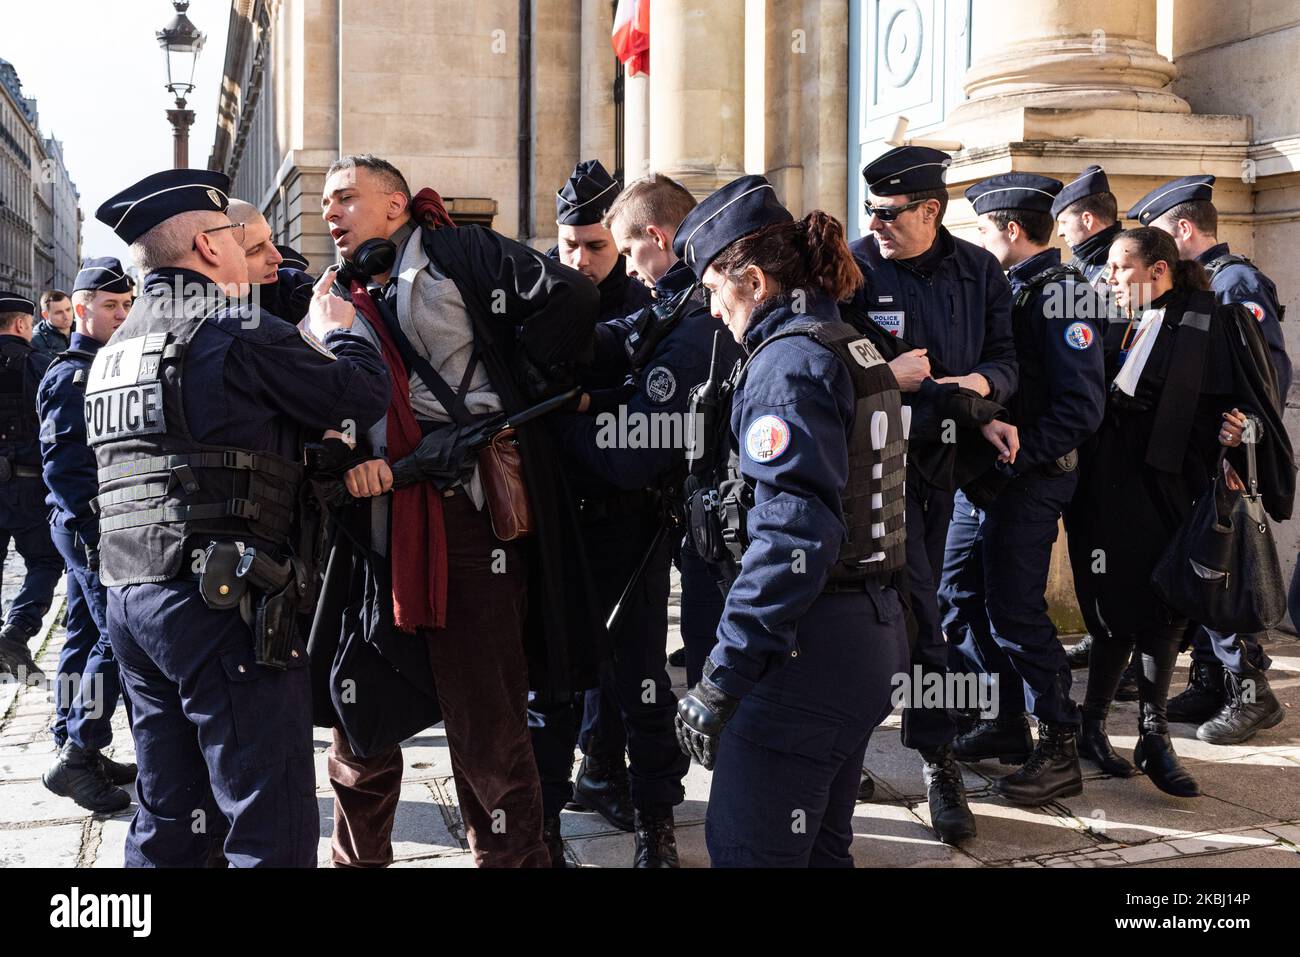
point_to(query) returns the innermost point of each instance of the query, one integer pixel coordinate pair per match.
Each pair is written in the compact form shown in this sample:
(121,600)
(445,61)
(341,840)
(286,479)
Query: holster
(266,592)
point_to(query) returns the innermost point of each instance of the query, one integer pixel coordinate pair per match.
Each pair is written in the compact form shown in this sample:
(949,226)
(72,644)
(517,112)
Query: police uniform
(84,711)
(954,301)
(290,258)
(621,488)
(197,410)
(1234,279)
(289,297)
(22,494)
(996,562)
(812,628)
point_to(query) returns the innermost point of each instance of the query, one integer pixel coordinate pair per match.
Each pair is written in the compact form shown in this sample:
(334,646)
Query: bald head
(263,258)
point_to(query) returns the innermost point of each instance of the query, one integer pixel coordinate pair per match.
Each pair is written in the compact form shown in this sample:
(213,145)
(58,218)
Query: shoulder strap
(1051,274)
(452,401)
(1214,266)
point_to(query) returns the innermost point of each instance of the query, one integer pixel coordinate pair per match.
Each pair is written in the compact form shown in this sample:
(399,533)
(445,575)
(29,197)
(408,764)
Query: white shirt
(1140,351)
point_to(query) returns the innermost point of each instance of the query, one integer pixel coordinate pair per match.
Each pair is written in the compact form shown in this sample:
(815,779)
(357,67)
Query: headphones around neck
(374,257)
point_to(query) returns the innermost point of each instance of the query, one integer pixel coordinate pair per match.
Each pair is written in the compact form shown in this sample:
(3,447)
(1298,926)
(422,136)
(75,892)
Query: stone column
(697,91)
(636,126)
(596,134)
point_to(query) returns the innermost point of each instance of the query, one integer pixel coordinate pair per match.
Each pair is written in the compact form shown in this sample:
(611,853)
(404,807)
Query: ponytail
(808,253)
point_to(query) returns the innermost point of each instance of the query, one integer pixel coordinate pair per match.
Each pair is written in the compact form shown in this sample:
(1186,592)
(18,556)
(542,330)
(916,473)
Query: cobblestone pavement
(1249,815)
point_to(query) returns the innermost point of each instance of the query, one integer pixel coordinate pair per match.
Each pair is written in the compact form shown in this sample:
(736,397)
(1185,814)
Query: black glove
(443,457)
(701,715)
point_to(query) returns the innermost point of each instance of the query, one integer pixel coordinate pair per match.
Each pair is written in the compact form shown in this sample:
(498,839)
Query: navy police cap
(104,274)
(1166,196)
(12,302)
(739,209)
(906,169)
(292,258)
(1023,191)
(143,205)
(583,200)
(1090,182)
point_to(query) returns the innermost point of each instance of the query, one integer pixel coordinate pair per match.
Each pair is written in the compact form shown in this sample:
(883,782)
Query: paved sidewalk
(1249,815)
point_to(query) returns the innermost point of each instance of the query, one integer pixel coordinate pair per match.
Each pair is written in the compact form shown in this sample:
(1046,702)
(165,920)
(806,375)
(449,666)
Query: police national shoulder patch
(660,384)
(1256,310)
(767,438)
(1079,335)
(315,343)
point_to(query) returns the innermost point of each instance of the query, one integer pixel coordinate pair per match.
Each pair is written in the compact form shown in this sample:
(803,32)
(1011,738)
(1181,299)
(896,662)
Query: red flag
(632,35)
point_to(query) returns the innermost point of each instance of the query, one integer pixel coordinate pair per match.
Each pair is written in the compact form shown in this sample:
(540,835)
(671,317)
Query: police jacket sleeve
(997,361)
(320,388)
(67,463)
(1242,285)
(634,446)
(1076,393)
(792,428)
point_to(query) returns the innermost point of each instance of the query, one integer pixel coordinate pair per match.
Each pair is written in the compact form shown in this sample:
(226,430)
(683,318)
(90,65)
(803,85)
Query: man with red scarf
(502,326)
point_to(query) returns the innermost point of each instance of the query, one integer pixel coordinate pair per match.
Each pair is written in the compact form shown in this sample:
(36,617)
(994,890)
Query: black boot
(677,659)
(16,658)
(1094,744)
(1128,684)
(602,786)
(76,774)
(116,772)
(1051,772)
(1007,739)
(554,843)
(1250,707)
(1079,654)
(950,816)
(866,788)
(656,841)
(1155,757)
(1203,695)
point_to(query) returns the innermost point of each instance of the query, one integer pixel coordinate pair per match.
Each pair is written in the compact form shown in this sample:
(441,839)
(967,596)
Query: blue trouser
(701,611)
(23,517)
(929,511)
(87,687)
(636,682)
(1234,652)
(790,760)
(215,733)
(992,596)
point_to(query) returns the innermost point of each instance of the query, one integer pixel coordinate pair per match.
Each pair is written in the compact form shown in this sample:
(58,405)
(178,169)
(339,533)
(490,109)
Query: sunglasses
(887,214)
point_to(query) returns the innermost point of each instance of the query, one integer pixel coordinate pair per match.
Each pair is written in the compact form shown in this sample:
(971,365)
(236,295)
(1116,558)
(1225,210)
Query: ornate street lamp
(181,42)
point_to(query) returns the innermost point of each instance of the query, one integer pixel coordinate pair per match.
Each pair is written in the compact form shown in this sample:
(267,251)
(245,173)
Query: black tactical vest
(18,425)
(874,501)
(158,486)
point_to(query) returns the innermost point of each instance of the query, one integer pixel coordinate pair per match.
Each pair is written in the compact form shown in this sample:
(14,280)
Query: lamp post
(181,42)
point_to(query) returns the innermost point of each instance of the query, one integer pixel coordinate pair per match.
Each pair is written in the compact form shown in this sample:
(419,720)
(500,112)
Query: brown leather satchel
(501,470)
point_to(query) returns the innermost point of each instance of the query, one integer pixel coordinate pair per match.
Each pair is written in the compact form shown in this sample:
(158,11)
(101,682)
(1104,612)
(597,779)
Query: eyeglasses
(238,236)
(887,214)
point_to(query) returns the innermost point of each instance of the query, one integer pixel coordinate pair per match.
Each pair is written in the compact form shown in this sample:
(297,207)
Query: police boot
(656,841)
(115,771)
(1094,744)
(950,816)
(1203,695)
(866,787)
(1051,772)
(1155,757)
(1128,684)
(1007,739)
(1079,654)
(678,658)
(602,786)
(76,774)
(15,657)
(1251,706)
(554,844)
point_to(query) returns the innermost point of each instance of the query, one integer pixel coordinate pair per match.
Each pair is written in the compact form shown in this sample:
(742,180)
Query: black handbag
(1221,569)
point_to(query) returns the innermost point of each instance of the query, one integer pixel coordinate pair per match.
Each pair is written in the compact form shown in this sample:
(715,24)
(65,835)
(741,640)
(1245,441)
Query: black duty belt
(848,586)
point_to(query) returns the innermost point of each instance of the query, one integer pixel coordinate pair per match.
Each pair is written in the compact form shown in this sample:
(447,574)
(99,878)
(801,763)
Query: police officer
(282,290)
(197,412)
(1087,218)
(88,685)
(950,298)
(812,629)
(998,552)
(22,493)
(1222,665)
(290,258)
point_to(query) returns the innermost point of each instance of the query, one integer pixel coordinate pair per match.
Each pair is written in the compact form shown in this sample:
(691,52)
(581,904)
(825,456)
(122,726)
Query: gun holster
(267,593)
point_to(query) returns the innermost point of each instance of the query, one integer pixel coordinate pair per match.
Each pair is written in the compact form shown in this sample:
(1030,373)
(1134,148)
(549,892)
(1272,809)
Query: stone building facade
(494,101)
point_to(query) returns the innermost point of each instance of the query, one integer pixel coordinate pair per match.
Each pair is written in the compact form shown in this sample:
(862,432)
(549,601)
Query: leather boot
(76,774)
(866,788)
(1250,707)
(677,659)
(116,772)
(1007,739)
(16,658)
(1203,695)
(1094,744)
(1128,684)
(1155,757)
(950,816)
(554,843)
(602,786)
(1078,655)
(656,841)
(1051,772)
